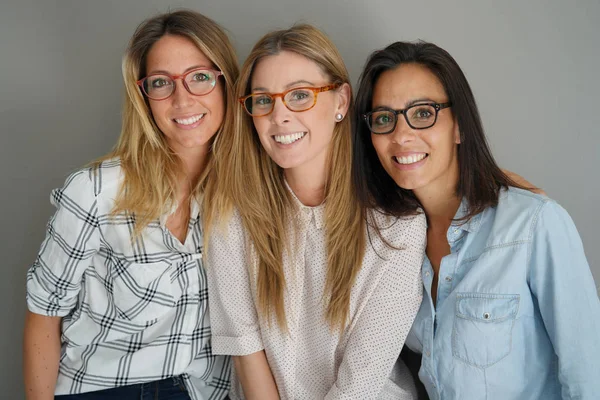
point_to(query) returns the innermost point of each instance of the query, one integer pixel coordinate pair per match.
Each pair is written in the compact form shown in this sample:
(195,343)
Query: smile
(290,138)
(189,120)
(410,159)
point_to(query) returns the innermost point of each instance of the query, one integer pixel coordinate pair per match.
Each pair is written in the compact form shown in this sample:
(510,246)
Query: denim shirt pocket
(482,332)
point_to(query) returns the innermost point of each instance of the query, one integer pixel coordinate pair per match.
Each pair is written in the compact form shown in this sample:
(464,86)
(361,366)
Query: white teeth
(287,139)
(413,158)
(190,120)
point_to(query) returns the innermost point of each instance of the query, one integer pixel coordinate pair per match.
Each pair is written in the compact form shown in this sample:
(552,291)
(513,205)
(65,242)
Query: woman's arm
(561,280)
(234,320)
(54,281)
(379,331)
(519,180)
(255,376)
(41,353)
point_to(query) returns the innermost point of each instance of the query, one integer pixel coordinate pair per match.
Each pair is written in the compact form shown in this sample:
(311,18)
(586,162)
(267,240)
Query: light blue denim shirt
(517,313)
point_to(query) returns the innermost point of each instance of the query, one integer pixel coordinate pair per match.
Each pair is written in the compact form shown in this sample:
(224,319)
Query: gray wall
(532,64)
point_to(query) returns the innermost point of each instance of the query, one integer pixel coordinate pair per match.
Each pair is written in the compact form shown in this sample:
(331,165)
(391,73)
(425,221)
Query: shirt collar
(457,228)
(194,210)
(308,213)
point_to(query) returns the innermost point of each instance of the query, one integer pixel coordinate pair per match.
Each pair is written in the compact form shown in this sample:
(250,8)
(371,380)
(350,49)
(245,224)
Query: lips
(410,158)
(289,138)
(189,120)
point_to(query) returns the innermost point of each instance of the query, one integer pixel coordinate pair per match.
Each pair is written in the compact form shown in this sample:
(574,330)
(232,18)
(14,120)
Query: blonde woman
(298,282)
(117,296)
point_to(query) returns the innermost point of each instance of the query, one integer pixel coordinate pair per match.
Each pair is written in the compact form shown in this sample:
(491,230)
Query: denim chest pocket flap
(482,332)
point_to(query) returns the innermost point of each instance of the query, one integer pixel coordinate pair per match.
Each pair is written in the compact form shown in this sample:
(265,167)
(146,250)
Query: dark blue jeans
(166,389)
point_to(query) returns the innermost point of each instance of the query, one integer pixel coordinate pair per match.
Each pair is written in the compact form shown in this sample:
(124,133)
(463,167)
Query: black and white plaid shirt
(133,312)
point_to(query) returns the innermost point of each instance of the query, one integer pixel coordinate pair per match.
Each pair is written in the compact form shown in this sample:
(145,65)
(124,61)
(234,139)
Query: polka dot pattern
(311,361)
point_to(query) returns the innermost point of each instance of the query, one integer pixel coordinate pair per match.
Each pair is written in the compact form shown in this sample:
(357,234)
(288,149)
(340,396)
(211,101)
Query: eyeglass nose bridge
(176,78)
(281,96)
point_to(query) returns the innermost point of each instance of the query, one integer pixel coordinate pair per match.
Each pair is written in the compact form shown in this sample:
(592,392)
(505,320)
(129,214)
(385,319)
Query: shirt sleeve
(561,280)
(379,334)
(72,238)
(234,320)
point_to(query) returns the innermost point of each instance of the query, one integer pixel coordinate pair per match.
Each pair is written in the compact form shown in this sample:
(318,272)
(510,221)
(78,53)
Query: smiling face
(417,159)
(187,121)
(297,140)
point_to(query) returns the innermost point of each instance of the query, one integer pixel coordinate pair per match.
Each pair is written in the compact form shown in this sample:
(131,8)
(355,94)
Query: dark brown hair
(480,178)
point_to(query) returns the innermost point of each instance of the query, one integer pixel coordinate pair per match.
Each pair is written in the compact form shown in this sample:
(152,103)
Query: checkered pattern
(133,311)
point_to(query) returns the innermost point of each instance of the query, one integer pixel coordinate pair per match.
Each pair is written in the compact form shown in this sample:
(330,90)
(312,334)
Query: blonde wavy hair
(254,184)
(151,169)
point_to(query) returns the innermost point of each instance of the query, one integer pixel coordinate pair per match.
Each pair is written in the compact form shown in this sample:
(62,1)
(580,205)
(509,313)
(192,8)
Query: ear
(344,94)
(457,135)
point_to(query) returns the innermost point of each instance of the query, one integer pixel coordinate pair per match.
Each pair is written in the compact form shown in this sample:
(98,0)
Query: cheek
(157,109)
(320,123)
(262,128)
(379,143)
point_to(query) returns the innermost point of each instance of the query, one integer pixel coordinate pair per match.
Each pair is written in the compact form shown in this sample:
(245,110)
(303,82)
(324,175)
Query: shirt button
(486,315)
(448,279)
(427,274)
(428,354)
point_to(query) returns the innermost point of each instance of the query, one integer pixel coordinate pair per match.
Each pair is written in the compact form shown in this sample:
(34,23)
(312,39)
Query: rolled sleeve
(234,320)
(562,282)
(54,279)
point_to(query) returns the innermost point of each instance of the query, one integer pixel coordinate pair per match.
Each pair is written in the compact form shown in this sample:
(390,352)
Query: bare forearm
(41,354)
(255,376)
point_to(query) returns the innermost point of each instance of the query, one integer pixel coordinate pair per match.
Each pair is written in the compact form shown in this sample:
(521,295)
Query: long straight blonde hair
(152,171)
(254,184)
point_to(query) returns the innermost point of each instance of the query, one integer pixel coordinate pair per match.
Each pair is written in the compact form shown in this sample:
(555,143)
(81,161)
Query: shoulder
(88,184)
(519,212)
(227,225)
(410,230)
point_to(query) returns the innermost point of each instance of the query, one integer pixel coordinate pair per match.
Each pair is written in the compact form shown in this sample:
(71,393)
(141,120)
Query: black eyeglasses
(418,116)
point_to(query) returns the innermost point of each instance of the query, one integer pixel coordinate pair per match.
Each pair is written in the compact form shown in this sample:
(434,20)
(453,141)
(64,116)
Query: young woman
(295,276)
(117,296)
(510,310)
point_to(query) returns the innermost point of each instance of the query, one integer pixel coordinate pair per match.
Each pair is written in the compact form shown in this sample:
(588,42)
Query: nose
(403,133)
(280,114)
(181,97)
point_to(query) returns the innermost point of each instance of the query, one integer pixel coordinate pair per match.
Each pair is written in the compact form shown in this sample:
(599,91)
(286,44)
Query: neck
(308,183)
(440,202)
(193,164)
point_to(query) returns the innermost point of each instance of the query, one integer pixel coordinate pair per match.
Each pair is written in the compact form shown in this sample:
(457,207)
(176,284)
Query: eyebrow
(289,85)
(410,103)
(161,71)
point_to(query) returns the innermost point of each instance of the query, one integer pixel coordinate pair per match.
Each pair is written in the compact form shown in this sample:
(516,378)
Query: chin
(407,183)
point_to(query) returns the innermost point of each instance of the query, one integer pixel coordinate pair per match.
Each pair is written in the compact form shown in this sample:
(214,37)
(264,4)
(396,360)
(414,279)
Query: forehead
(175,54)
(275,73)
(408,82)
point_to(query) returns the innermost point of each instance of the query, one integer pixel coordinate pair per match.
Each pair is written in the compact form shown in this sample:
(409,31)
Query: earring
(339,117)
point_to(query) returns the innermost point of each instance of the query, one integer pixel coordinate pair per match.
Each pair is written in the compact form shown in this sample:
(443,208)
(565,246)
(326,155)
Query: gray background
(532,64)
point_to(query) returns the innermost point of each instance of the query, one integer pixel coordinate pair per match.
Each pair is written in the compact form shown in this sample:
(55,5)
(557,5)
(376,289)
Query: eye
(383,119)
(200,77)
(159,82)
(261,100)
(422,113)
(299,95)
